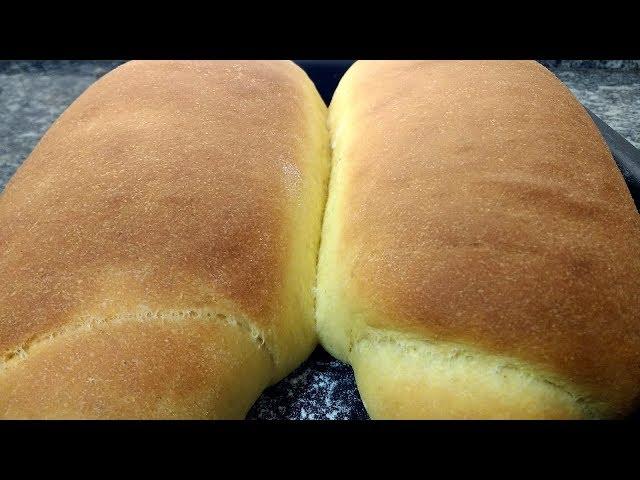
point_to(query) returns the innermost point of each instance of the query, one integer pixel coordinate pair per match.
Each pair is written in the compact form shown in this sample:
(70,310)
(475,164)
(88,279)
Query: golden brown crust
(171,185)
(403,379)
(138,368)
(484,208)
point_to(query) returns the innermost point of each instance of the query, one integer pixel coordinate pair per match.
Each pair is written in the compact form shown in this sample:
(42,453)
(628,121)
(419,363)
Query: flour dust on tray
(322,388)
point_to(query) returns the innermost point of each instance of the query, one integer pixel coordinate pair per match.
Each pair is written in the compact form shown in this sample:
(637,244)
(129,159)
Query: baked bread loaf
(480,254)
(158,247)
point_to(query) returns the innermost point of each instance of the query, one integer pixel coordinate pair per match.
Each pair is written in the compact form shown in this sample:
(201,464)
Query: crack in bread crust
(88,322)
(590,407)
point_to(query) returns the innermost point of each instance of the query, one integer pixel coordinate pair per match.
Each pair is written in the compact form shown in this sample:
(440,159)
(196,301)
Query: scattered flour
(322,388)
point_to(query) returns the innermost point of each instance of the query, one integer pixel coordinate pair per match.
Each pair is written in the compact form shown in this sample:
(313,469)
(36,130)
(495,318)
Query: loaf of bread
(158,247)
(480,253)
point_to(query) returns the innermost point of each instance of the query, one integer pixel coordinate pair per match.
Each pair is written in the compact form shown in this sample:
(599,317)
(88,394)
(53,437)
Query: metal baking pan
(324,388)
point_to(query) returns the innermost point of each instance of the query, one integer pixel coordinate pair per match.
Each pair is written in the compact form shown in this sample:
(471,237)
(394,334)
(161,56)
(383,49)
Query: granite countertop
(34,94)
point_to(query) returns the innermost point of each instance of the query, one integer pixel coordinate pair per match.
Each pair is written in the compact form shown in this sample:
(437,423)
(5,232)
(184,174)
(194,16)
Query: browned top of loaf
(163,180)
(485,208)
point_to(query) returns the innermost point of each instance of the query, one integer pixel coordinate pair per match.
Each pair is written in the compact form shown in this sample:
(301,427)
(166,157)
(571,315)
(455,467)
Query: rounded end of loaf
(403,379)
(452,221)
(181,366)
(176,185)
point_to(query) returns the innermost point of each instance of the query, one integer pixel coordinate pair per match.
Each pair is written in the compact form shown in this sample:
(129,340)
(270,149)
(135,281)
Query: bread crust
(477,203)
(171,185)
(176,366)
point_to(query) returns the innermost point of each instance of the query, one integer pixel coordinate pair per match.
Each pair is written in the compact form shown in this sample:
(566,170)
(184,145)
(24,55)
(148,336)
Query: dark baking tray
(324,388)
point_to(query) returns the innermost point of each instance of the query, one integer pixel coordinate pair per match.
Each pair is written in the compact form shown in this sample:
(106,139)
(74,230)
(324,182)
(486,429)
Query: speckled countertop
(34,94)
